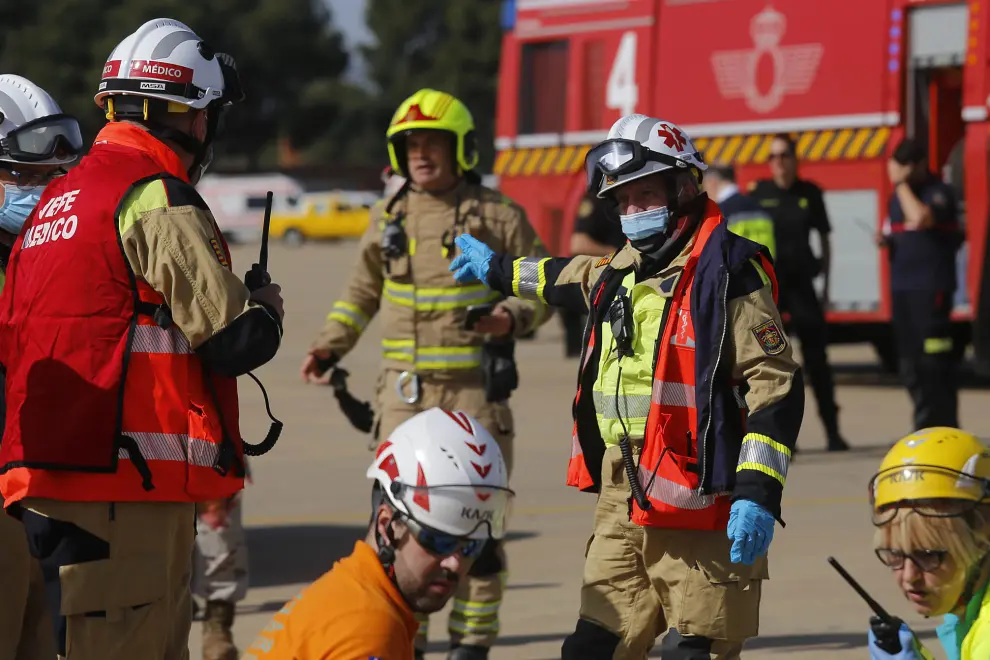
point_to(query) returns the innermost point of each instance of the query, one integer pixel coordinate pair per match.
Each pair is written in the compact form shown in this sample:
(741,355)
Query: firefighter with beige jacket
(443,344)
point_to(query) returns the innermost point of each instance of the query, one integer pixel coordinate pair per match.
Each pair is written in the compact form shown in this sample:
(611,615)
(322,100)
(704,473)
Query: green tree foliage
(452,45)
(289,56)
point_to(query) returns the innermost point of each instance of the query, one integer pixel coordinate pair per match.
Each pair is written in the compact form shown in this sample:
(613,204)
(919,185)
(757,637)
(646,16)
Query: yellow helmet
(938,463)
(438,111)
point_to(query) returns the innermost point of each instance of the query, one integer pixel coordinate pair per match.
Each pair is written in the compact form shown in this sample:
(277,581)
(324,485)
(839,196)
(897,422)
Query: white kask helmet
(446,472)
(164,59)
(33,129)
(639,146)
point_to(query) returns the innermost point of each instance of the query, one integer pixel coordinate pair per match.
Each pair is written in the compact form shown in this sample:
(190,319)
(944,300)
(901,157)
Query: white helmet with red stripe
(164,59)
(446,472)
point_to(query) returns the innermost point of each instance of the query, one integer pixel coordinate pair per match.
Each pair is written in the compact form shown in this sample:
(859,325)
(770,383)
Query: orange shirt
(353,612)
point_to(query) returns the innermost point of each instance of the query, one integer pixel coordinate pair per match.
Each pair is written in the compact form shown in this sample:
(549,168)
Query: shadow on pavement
(295,554)
(837,640)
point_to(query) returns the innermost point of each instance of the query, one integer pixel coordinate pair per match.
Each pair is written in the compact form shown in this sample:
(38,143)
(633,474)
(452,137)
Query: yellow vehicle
(321,216)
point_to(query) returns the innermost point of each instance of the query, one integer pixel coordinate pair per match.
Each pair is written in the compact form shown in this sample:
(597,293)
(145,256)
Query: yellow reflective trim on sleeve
(935,345)
(542,269)
(764,454)
(150,196)
(515,276)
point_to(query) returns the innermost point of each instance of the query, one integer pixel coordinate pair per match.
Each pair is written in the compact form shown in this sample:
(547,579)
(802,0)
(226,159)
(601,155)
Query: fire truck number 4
(621,91)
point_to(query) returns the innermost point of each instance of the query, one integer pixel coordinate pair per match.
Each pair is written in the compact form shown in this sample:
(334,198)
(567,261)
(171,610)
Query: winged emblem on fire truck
(794,67)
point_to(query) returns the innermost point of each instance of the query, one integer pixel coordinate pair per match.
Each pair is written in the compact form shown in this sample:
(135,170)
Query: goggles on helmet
(54,136)
(619,156)
(934,507)
(442,544)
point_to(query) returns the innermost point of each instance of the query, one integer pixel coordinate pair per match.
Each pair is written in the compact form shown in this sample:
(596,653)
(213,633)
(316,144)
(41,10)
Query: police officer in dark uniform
(798,207)
(597,233)
(923,237)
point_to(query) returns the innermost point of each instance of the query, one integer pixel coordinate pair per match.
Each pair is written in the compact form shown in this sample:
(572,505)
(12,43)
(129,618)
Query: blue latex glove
(751,530)
(907,646)
(473,261)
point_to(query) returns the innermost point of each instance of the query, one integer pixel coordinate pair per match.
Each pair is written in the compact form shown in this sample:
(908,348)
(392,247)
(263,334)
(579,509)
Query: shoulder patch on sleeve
(604,261)
(770,338)
(181,193)
(586,208)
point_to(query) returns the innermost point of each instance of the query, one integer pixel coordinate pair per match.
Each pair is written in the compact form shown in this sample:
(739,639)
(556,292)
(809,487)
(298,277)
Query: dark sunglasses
(441,544)
(780,155)
(925,560)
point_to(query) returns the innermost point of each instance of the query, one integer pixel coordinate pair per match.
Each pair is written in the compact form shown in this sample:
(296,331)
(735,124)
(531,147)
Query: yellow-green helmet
(438,111)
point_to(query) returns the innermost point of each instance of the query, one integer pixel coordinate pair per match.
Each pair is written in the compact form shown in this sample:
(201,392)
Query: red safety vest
(668,469)
(92,378)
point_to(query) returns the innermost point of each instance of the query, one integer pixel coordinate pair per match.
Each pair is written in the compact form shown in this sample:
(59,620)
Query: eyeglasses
(781,155)
(441,544)
(926,560)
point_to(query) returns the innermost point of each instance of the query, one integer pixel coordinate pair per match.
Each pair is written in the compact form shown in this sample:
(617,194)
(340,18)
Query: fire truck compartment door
(855,269)
(937,35)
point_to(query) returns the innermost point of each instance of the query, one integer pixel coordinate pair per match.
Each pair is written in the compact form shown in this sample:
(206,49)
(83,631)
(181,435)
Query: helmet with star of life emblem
(638,146)
(444,470)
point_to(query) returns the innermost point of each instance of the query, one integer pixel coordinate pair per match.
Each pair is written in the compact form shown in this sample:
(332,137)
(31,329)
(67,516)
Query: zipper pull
(689,443)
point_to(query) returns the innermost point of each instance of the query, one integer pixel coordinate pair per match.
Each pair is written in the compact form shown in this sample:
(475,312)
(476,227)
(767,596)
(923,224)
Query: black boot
(836,442)
(468,652)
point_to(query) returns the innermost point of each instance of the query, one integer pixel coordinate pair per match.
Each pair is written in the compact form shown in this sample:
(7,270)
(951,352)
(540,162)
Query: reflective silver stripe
(633,405)
(666,393)
(529,276)
(576,449)
(760,452)
(675,494)
(173,447)
(350,315)
(156,339)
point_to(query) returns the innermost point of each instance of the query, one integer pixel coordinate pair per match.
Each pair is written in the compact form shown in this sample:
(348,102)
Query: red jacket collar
(135,137)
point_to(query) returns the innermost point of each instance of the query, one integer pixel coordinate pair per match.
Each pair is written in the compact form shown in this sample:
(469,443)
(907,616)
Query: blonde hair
(966,536)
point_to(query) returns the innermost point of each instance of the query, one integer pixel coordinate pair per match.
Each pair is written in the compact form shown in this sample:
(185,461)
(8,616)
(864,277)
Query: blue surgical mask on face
(645,223)
(18,202)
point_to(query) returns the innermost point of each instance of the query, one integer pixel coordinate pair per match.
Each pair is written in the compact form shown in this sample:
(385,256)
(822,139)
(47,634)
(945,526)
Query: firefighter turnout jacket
(122,329)
(706,382)
(423,308)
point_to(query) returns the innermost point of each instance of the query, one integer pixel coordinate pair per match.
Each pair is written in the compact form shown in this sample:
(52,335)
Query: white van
(238,201)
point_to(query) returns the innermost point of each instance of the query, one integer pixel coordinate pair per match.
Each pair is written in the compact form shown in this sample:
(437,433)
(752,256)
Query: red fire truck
(847,78)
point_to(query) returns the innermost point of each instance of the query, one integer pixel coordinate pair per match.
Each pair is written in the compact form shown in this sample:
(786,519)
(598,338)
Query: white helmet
(446,472)
(33,129)
(165,60)
(639,146)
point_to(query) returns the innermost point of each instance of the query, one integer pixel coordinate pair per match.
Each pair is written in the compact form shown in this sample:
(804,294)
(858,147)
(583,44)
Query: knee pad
(589,641)
(488,562)
(678,647)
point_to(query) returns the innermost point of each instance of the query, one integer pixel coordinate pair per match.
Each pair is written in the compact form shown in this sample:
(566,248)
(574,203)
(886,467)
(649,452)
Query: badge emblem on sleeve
(770,337)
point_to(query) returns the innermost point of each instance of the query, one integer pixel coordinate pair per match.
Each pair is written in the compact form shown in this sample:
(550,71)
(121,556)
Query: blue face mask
(18,202)
(645,223)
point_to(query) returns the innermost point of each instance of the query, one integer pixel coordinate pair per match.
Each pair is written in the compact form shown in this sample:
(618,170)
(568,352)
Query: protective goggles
(45,138)
(613,158)
(442,544)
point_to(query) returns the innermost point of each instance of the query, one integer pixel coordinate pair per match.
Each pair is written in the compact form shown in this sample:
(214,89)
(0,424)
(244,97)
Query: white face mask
(644,224)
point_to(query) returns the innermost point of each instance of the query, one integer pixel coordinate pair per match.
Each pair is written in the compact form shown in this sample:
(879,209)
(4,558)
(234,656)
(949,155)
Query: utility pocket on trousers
(719,603)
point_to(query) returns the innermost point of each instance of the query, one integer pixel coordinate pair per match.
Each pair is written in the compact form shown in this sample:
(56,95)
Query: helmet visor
(929,490)
(476,512)
(54,137)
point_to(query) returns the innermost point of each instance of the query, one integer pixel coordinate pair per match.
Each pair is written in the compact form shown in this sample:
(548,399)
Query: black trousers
(928,364)
(798,298)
